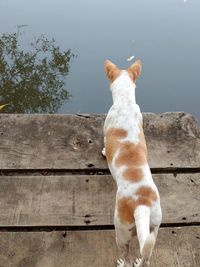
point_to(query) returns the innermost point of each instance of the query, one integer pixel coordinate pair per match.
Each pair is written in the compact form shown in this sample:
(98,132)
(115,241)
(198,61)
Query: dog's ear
(111,70)
(135,70)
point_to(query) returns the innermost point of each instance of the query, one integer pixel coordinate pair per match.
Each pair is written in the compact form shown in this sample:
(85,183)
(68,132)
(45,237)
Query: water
(163,34)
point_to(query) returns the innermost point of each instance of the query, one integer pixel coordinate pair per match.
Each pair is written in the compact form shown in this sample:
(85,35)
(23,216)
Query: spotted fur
(137,199)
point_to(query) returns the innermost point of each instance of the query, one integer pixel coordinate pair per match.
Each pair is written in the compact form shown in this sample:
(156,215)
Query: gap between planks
(92,171)
(77,228)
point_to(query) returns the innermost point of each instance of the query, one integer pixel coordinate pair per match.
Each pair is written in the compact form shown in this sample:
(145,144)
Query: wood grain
(174,247)
(88,200)
(72,142)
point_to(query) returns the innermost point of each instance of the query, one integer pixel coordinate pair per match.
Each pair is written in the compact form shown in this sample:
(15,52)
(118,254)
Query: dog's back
(137,199)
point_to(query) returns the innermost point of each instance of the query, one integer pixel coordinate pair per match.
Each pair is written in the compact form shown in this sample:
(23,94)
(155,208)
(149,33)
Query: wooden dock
(57,196)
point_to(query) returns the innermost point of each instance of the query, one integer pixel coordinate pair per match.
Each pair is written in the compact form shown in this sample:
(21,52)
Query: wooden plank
(75,141)
(88,200)
(174,247)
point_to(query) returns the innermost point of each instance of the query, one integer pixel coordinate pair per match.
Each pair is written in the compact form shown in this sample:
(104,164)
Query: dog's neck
(123,89)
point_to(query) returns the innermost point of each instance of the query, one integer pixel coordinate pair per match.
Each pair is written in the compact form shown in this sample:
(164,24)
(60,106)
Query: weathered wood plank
(174,247)
(88,200)
(75,141)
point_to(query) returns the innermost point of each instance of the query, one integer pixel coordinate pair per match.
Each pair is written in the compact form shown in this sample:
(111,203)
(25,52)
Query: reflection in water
(32,81)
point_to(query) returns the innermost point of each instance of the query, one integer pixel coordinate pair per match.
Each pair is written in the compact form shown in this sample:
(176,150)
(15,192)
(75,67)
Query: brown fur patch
(133,174)
(111,70)
(126,207)
(113,137)
(131,154)
(146,196)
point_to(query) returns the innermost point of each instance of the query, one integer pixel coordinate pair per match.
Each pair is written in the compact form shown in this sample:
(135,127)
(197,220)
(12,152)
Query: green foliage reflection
(32,81)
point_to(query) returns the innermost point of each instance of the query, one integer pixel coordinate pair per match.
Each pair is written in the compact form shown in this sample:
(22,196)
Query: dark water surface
(165,35)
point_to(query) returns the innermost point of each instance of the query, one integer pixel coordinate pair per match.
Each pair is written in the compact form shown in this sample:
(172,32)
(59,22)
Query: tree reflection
(32,81)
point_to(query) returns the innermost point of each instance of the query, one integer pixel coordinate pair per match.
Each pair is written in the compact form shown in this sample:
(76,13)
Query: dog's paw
(120,263)
(138,263)
(104,152)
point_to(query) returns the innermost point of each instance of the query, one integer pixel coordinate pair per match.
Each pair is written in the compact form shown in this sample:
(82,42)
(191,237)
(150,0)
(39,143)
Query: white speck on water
(130,58)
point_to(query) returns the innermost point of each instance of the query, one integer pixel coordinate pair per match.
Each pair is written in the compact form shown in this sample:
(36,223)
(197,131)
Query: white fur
(125,114)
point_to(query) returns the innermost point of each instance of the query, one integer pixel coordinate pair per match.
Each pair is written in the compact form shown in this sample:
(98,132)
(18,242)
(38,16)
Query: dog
(137,208)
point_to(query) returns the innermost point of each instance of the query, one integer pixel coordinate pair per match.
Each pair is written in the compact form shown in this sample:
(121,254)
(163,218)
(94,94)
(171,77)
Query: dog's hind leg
(124,248)
(123,238)
(125,262)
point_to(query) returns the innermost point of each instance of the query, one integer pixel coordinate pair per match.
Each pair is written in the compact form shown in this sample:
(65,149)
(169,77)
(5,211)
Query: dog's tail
(146,239)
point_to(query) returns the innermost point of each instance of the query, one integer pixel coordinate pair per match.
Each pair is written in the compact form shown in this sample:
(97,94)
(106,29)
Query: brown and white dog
(137,198)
